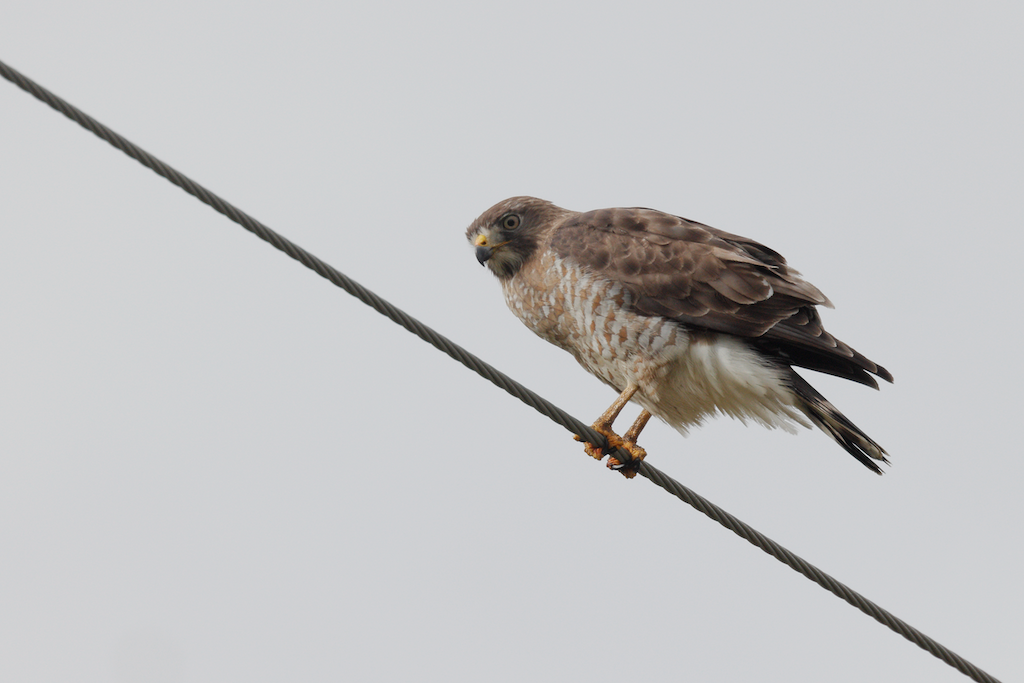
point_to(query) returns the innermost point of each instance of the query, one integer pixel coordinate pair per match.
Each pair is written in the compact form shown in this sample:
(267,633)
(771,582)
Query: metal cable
(499,378)
(801,565)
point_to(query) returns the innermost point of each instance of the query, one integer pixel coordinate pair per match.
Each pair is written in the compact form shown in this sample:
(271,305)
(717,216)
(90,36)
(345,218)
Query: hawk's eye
(510,222)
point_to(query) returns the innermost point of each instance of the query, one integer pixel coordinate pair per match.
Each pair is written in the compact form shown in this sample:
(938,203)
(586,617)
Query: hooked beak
(484,248)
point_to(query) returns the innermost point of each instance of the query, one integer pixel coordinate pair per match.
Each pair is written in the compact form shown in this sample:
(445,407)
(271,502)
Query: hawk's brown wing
(707,278)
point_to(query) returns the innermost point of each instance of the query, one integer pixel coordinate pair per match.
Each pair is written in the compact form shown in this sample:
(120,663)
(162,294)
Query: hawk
(683,319)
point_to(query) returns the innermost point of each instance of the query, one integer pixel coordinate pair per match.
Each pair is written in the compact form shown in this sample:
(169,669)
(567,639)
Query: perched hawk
(684,319)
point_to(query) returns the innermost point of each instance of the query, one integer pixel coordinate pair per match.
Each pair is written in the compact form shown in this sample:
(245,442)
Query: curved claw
(628,470)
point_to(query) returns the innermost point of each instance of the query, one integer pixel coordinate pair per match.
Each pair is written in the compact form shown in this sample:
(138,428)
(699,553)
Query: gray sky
(216,466)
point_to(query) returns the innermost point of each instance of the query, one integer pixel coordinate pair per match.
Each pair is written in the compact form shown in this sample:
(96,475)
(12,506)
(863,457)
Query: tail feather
(825,415)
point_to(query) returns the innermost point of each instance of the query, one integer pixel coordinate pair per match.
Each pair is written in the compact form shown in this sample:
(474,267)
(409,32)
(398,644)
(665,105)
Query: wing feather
(711,279)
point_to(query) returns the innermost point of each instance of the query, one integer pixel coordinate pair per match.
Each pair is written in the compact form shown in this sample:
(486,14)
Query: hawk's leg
(604,427)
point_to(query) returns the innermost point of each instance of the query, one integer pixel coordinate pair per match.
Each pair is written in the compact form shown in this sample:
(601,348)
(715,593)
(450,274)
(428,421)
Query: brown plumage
(694,319)
(695,274)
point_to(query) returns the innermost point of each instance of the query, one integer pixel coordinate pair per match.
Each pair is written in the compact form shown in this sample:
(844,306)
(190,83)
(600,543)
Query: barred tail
(825,415)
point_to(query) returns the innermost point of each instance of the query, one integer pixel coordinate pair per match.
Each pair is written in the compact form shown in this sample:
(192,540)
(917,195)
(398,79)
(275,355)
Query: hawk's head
(508,233)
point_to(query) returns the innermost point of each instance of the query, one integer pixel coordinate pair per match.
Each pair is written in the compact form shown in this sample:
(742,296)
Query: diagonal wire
(499,378)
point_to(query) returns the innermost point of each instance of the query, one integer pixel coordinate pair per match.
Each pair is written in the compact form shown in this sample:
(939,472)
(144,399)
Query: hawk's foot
(628,469)
(615,442)
(597,452)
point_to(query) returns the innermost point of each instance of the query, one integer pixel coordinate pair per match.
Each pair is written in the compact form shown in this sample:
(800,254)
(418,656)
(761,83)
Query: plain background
(216,466)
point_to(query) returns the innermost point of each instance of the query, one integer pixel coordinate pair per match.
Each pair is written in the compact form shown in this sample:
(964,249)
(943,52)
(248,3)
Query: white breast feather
(683,379)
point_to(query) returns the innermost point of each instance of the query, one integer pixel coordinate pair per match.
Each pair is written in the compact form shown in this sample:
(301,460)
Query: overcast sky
(218,467)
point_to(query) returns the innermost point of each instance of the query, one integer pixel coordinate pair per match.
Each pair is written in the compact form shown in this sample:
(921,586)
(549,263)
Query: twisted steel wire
(497,377)
(872,609)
